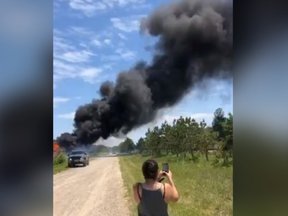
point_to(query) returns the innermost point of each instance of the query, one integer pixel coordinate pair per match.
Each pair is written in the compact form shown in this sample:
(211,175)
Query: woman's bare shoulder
(167,188)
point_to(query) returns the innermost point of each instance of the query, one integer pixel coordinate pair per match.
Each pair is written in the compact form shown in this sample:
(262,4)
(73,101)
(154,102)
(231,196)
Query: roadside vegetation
(59,163)
(200,158)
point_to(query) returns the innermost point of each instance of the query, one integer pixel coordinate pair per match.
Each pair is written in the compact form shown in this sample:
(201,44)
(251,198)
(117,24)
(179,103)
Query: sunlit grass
(204,190)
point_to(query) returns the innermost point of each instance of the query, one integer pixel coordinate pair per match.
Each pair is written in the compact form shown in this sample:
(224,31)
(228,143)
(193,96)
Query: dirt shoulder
(95,190)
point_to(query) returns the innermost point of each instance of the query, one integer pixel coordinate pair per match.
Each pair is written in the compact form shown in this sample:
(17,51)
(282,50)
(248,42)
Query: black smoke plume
(106,89)
(195,43)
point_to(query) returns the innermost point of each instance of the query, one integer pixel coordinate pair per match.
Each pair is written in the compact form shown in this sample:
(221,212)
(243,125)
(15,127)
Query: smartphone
(165,167)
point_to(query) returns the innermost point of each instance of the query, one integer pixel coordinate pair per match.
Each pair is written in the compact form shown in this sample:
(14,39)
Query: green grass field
(204,190)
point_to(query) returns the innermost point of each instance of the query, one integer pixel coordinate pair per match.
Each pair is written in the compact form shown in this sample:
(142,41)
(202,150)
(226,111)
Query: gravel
(95,190)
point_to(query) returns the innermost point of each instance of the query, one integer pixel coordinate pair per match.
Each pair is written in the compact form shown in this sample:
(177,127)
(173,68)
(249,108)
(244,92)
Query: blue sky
(94,40)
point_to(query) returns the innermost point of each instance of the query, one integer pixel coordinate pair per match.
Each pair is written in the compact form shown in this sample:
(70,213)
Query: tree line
(186,137)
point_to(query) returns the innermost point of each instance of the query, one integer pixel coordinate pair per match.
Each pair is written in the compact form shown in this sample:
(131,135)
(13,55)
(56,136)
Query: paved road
(95,190)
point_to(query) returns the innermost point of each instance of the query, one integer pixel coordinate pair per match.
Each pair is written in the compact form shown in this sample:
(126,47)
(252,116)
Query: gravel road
(95,190)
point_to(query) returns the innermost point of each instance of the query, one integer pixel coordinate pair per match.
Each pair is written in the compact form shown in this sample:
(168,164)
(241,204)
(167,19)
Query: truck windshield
(77,152)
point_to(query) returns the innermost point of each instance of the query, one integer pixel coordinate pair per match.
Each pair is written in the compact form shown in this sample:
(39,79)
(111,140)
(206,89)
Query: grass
(59,163)
(59,168)
(204,190)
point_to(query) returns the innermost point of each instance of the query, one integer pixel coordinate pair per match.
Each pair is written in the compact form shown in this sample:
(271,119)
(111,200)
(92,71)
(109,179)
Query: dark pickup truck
(78,157)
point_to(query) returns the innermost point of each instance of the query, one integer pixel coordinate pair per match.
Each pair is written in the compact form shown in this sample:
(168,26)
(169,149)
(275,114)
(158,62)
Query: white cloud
(121,54)
(67,115)
(64,70)
(82,44)
(81,31)
(141,6)
(92,7)
(122,3)
(60,44)
(126,54)
(126,24)
(63,50)
(88,7)
(97,43)
(69,61)
(197,116)
(90,74)
(101,42)
(76,56)
(107,41)
(126,2)
(58,100)
(110,3)
(122,36)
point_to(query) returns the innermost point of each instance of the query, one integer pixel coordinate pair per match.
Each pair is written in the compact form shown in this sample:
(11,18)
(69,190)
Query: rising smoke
(195,44)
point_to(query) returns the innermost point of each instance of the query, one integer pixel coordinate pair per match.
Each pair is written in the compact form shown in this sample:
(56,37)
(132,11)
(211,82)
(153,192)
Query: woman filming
(152,196)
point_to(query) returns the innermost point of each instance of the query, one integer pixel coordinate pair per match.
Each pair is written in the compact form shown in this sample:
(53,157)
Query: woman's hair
(150,169)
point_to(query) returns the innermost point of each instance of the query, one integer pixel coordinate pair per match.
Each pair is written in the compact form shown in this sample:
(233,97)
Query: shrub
(59,159)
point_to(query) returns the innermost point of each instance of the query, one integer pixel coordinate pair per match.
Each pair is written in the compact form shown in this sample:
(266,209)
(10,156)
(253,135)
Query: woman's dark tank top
(152,203)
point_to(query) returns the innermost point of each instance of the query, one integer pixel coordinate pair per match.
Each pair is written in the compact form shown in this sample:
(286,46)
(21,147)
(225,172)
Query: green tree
(207,139)
(228,130)
(102,149)
(182,126)
(174,137)
(127,146)
(225,149)
(217,124)
(115,148)
(165,138)
(153,141)
(140,144)
(192,137)
(169,138)
(187,136)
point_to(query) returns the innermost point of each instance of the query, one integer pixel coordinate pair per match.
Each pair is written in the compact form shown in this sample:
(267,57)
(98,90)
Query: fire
(55,146)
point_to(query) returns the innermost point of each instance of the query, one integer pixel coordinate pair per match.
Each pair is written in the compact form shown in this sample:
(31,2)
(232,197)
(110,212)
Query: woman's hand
(160,174)
(169,175)
(163,174)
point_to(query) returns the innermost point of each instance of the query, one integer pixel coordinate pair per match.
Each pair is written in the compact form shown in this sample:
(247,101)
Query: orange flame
(55,147)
